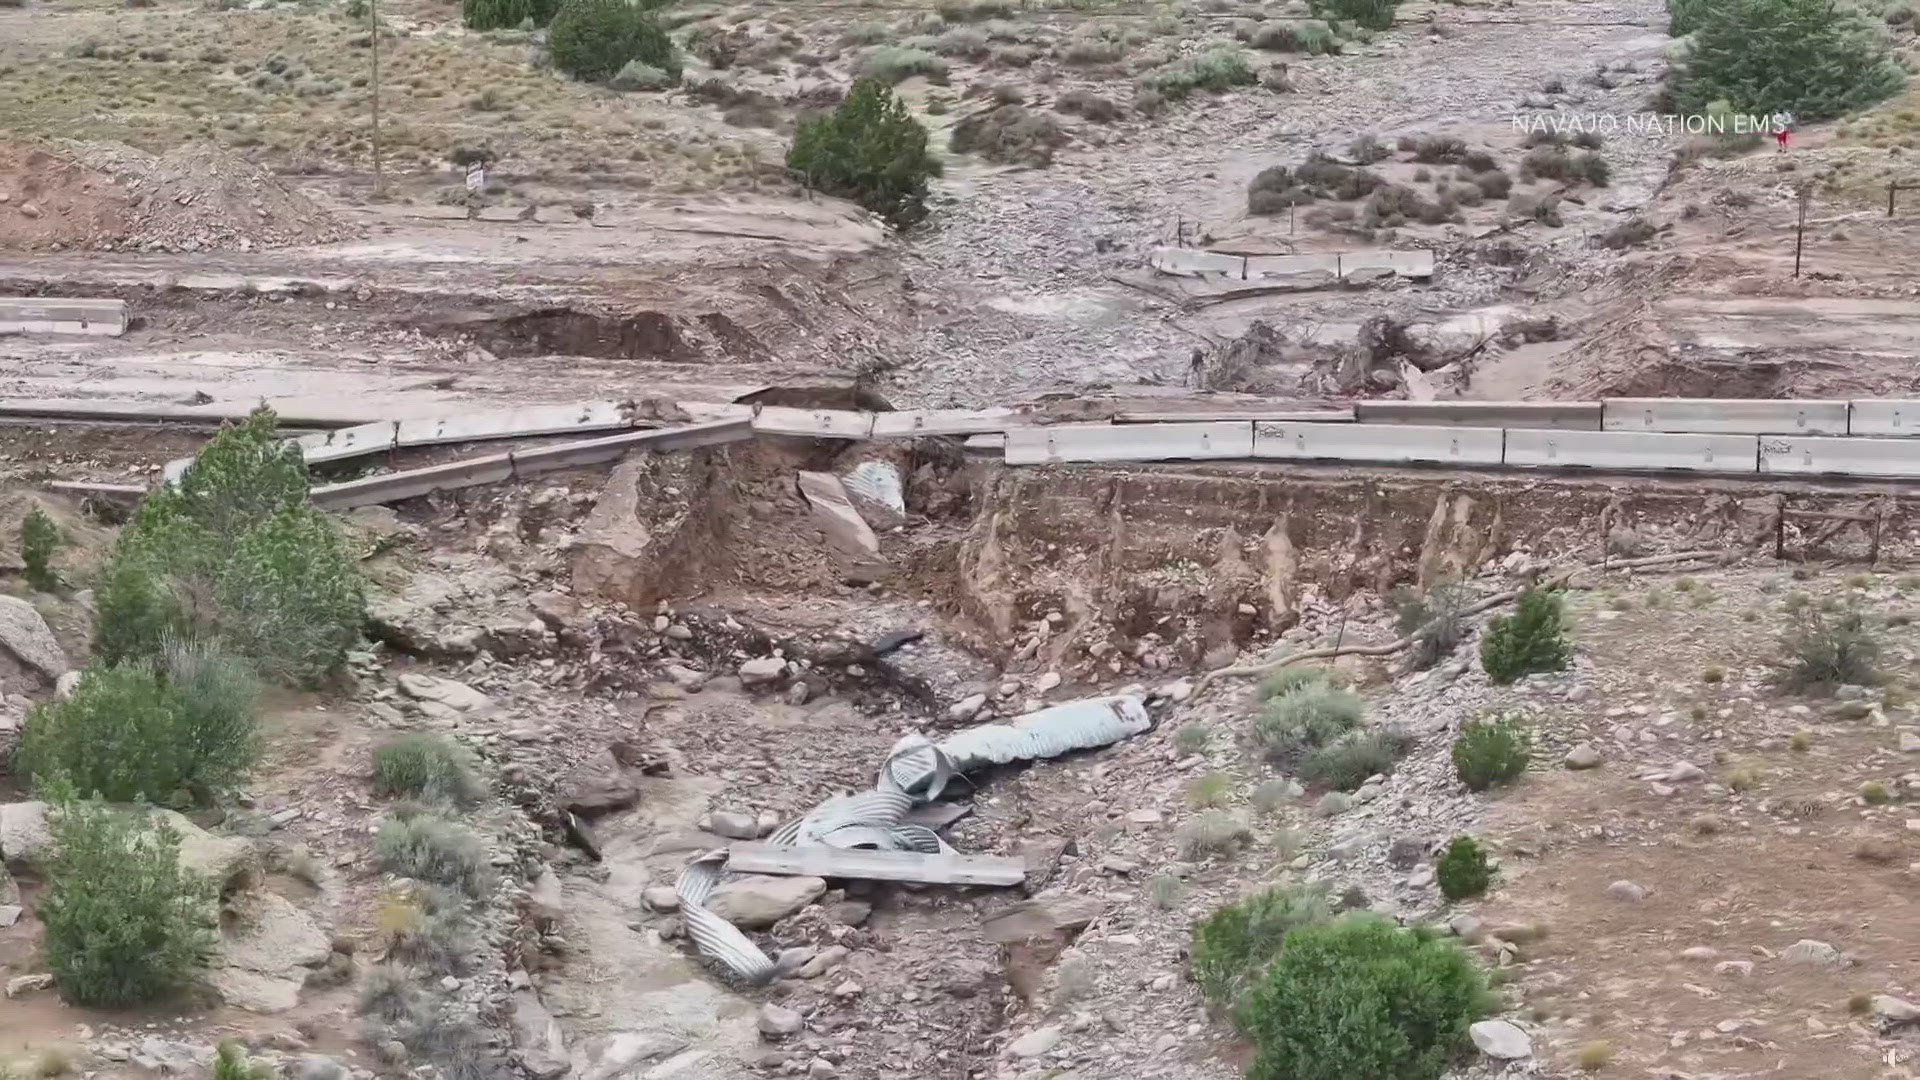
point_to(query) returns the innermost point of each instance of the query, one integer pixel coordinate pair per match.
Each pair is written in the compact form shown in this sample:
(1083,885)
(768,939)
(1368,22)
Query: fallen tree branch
(1475,608)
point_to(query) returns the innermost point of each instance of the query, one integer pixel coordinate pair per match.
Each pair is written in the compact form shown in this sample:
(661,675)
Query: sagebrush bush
(180,729)
(1192,738)
(592,40)
(389,992)
(1462,870)
(507,14)
(640,76)
(1213,835)
(1233,946)
(1304,719)
(871,150)
(233,553)
(122,923)
(1270,795)
(1222,67)
(1532,639)
(1209,790)
(230,1062)
(39,539)
(1345,763)
(432,849)
(430,929)
(1825,649)
(891,64)
(1296,677)
(1489,752)
(1370,14)
(1359,998)
(1010,133)
(424,766)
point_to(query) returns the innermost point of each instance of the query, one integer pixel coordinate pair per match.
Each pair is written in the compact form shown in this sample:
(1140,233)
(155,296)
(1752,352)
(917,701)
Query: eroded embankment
(1140,571)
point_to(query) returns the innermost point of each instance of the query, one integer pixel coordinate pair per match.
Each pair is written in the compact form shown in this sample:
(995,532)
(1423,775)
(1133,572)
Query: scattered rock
(762,670)
(24,836)
(1627,890)
(596,785)
(262,959)
(546,897)
(734,825)
(1895,1010)
(661,898)
(25,637)
(966,708)
(457,696)
(685,677)
(850,912)
(10,914)
(1046,915)
(1500,1039)
(1811,953)
(627,1049)
(319,1067)
(1583,756)
(1909,741)
(824,962)
(1699,954)
(778,1021)
(1036,1042)
(26,984)
(758,901)
(1683,771)
(232,862)
(1739,969)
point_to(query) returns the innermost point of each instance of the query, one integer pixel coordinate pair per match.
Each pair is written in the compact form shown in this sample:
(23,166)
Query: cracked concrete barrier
(56,315)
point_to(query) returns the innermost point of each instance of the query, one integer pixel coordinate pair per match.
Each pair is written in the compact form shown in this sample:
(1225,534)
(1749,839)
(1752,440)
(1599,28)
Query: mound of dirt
(113,197)
(48,201)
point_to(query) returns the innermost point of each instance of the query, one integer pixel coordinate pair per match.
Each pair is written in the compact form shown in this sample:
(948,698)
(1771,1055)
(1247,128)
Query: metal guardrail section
(1730,415)
(1249,411)
(1824,455)
(1128,442)
(1883,417)
(1389,443)
(813,423)
(1631,450)
(911,423)
(1194,262)
(498,467)
(1570,415)
(61,315)
(915,771)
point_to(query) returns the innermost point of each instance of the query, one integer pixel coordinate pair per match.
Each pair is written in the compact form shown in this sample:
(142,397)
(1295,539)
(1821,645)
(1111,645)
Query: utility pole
(1800,230)
(373,16)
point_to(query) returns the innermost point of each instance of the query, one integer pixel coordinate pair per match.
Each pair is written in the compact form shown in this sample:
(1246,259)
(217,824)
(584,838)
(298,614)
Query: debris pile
(113,197)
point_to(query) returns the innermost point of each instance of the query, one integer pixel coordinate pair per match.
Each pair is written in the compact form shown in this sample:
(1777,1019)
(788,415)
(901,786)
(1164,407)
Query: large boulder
(260,963)
(24,836)
(457,696)
(231,862)
(26,640)
(758,901)
(597,784)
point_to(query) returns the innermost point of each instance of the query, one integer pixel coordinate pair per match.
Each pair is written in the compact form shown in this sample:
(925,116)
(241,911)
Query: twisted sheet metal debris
(916,771)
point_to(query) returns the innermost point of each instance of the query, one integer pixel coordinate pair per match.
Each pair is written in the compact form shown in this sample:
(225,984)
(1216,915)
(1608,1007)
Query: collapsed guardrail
(1870,438)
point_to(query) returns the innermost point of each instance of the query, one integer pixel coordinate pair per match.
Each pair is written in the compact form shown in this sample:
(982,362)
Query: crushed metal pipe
(916,772)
